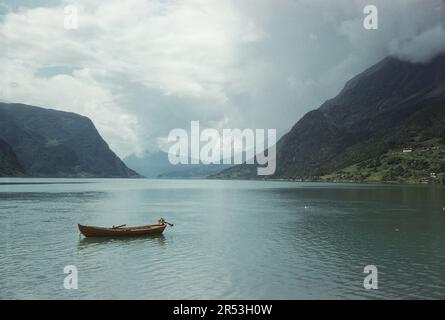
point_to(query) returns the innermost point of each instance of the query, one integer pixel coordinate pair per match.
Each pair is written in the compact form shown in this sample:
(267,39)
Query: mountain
(391,106)
(157,165)
(9,165)
(51,143)
(150,164)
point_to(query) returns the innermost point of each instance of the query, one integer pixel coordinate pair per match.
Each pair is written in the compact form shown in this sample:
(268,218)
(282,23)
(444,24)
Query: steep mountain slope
(372,115)
(9,165)
(50,143)
(415,154)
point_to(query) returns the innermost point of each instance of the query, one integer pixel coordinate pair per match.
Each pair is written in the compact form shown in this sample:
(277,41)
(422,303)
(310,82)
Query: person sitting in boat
(161,221)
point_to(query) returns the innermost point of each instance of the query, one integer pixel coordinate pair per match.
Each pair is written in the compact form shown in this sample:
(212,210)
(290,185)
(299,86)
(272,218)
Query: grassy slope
(427,157)
(424,133)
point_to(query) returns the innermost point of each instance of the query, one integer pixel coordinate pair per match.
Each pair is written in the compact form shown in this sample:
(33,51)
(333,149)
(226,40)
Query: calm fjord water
(231,239)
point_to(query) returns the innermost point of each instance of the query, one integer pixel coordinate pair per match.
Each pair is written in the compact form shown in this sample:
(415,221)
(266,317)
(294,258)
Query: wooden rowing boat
(120,231)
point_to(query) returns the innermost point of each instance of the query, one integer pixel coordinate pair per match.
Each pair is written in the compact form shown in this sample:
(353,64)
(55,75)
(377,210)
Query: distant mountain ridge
(386,107)
(51,143)
(157,165)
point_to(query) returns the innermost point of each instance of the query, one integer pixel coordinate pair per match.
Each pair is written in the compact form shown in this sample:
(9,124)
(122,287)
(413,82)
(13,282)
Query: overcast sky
(139,68)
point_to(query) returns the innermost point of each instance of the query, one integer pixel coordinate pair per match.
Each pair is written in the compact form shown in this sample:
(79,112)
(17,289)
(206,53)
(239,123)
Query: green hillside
(423,163)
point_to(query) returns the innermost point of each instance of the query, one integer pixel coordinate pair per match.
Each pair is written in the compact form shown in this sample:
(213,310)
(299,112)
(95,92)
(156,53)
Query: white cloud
(421,48)
(184,49)
(78,92)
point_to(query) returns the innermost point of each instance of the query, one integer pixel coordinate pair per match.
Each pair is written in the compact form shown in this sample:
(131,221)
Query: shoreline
(337,181)
(352,182)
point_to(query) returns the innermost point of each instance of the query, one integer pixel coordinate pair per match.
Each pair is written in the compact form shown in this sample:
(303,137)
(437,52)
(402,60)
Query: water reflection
(151,238)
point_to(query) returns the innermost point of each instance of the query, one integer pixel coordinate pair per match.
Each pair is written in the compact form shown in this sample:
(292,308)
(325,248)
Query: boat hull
(89,231)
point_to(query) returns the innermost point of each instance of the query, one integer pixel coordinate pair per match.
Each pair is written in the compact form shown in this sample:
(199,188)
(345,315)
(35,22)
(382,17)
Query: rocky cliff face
(50,143)
(9,165)
(382,109)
